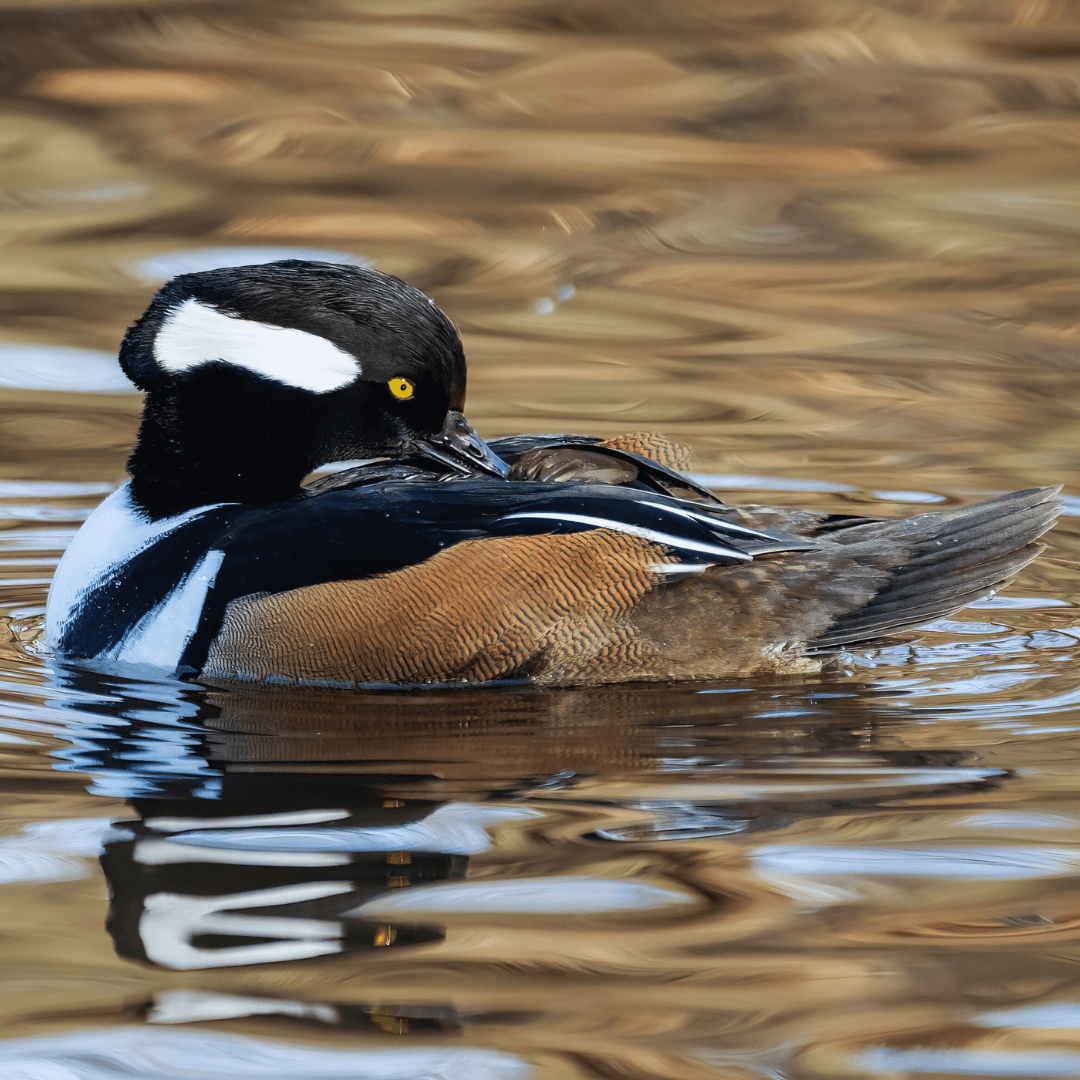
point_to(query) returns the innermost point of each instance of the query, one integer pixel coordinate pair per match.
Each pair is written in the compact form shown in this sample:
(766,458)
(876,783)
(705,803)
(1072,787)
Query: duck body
(159,593)
(441,558)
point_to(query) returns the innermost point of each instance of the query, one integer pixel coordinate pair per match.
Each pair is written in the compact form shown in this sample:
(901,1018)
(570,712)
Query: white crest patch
(195,333)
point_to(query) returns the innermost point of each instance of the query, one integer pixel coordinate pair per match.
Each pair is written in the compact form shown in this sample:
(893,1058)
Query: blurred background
(830,239)
(829,244)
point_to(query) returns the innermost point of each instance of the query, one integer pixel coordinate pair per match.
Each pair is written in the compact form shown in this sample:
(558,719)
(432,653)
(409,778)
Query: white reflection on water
(908,496)
(1018,819)
(53,367)
(990,863)
(454,828)
(51,489)
(1018,603)
(532,896)
(156,1054)
(193,1006)
(168,853)
(970,1062)
(991,695)
(764,483)
(52,850)
(171,922)
(1050,1014)
(245,821)
(43,513)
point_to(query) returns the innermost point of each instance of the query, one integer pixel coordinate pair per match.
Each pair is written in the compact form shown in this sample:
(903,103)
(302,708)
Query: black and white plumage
(445,558)
(163,586)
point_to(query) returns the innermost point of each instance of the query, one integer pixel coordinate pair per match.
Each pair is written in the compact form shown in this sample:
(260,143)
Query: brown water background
(831,245)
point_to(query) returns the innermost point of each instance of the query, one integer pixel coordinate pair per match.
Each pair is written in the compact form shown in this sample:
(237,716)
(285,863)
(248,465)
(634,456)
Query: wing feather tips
(953,558)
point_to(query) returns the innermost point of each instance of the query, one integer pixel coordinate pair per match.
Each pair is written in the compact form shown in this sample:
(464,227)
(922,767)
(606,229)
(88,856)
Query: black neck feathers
(209,441)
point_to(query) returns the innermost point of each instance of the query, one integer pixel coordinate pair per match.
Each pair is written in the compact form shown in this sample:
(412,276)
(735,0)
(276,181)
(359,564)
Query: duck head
(255,375)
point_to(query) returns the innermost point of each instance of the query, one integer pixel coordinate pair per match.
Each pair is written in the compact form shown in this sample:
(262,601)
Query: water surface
(830,246)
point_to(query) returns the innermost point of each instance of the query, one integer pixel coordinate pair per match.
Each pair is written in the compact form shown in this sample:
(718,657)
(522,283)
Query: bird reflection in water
(256,881)
(278,825)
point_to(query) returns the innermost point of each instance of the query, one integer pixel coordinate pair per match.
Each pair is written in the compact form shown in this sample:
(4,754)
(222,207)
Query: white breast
(114,533)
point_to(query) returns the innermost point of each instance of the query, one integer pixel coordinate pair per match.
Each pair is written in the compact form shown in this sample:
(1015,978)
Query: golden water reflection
(644,882)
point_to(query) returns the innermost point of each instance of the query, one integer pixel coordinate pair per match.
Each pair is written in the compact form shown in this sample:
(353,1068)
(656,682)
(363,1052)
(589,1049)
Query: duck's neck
(225,451)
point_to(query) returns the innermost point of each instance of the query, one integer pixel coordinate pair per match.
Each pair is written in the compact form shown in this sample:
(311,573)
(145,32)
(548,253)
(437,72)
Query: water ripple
(148,1054)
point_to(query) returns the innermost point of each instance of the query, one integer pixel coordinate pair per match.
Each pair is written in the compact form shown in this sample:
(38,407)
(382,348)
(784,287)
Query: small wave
(152,1054)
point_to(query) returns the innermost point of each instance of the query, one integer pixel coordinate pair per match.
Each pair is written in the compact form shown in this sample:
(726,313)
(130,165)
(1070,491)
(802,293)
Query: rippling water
(830,245)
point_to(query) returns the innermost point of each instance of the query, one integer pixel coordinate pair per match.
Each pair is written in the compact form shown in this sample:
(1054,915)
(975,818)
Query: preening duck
(443,558)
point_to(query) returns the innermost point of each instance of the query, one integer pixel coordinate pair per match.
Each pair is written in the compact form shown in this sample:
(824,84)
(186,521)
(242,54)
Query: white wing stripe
(681,569)
(636,530)
(708,520)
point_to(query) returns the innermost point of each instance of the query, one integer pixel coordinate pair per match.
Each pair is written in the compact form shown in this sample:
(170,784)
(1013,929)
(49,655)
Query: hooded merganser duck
(440,557)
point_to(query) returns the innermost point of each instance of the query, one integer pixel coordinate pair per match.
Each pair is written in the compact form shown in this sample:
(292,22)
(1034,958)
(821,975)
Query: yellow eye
(402,389)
